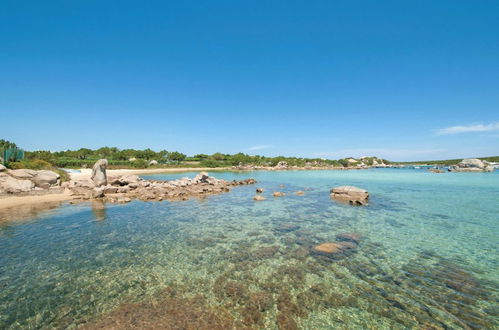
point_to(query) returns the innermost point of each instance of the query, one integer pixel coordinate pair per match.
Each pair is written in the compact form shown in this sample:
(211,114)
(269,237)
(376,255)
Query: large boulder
(2,168)
(350,194)
(282,165)
(22,174)
(12,185)
(202,177)
(45,179)
(128,179)
(472,163)
(99,176)
(153,162)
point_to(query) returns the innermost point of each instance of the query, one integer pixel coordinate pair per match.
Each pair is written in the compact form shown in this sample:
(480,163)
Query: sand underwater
(425,256)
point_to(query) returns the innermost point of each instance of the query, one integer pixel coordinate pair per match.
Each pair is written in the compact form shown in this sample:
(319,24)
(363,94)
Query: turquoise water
(428,257)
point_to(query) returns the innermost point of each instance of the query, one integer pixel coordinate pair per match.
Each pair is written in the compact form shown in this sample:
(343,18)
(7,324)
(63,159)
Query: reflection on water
(22,213)
(416,258)
(99,209)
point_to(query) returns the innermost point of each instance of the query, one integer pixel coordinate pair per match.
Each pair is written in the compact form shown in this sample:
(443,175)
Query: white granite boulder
(45,179)
(350,194)
(99,176)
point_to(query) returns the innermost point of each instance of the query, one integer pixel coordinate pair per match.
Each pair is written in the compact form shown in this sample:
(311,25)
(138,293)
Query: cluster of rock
(259,197)
(350,194)
(125,188)
(25,181)
(472,165)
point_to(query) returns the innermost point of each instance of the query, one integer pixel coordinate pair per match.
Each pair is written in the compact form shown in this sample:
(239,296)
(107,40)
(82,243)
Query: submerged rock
(287,227)
(349,237)
(278,194)
(300,193)
(259,198)
(334,250)
(350,194)
(259,190)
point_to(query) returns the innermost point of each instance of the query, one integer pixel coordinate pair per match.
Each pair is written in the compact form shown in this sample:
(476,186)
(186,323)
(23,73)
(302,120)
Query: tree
(218,156)
(4,144)
(176,156)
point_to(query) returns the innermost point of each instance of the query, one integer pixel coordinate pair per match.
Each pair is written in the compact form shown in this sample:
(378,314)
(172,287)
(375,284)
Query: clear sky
(401,79)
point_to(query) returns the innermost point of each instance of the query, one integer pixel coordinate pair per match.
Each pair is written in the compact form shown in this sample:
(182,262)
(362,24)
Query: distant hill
(493,159)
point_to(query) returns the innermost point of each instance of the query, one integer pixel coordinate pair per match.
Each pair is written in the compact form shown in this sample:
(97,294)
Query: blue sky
(404,80)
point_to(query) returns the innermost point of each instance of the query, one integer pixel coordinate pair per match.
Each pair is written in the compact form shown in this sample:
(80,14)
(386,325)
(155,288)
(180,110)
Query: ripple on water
(421,259)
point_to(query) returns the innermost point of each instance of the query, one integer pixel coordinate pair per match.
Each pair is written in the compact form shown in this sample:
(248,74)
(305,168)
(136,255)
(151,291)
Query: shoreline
(18,200)
(37,200)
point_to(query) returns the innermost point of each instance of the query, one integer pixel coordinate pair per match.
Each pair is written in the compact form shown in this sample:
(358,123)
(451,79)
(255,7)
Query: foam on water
(428,256)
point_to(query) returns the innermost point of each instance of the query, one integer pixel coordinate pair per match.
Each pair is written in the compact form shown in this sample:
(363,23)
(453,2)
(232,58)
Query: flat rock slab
(350,194)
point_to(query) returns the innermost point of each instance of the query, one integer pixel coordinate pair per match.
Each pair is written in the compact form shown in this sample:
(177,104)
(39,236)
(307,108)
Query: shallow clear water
(428,257)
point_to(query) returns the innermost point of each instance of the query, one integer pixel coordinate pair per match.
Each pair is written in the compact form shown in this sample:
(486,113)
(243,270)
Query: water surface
(428,257)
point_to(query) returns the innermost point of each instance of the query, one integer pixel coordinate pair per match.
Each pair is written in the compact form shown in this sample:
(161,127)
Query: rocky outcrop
(99,176)
(12,185)
(24,181)
(472,165)
(22,174)
(129,187)
(282,165)
(350,194)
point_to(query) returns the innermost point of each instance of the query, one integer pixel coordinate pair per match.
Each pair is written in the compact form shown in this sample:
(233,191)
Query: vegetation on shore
(131,158)
(447,162)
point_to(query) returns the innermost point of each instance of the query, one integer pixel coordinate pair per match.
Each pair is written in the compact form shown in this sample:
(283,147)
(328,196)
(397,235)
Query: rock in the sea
(335,250)
(473,165)
(259,198)
(436,170)
(259,190)
(300,193)
(287,227)
(2,168)
(98,192)
(278,194)
(99,176)
(350,194)
(45,179)
(202,177)
(349,237)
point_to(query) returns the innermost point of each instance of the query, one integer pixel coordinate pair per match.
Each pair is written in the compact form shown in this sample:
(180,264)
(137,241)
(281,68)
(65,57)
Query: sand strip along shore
(86,172)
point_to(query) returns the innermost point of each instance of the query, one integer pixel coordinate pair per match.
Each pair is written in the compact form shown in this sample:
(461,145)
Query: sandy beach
(85,172)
